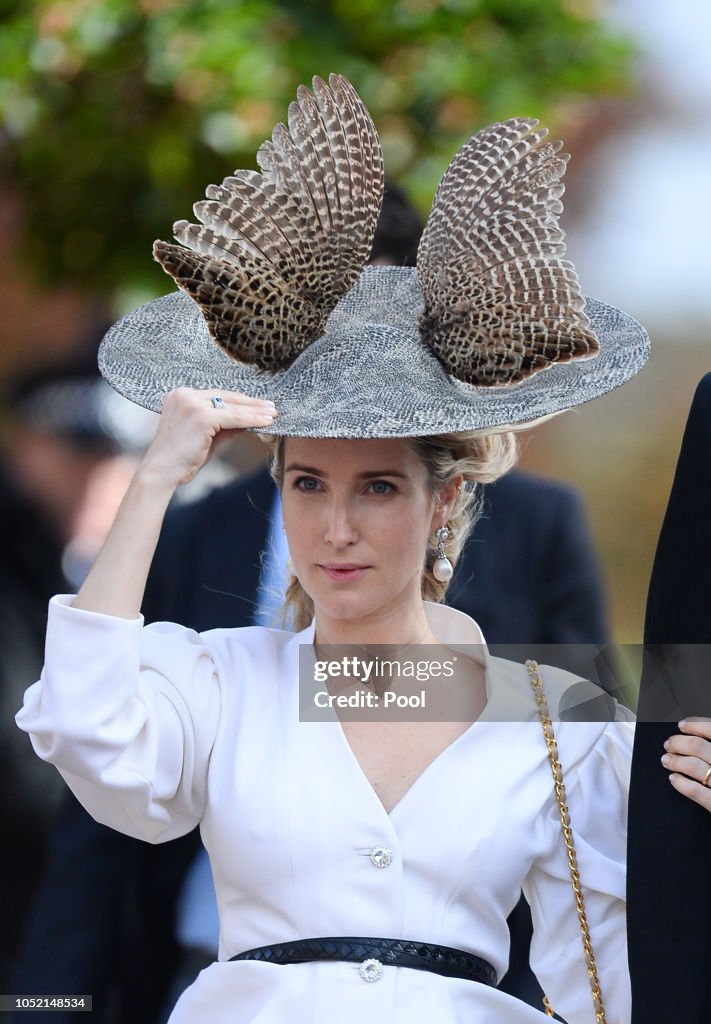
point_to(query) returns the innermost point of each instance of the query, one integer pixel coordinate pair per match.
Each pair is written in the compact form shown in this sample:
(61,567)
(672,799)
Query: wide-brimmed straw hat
(489,330)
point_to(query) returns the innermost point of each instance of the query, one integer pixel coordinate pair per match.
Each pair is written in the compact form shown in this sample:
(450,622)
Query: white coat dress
(158,728)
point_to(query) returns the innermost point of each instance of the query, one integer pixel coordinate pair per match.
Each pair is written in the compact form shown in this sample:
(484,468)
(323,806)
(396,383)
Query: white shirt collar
(450,626)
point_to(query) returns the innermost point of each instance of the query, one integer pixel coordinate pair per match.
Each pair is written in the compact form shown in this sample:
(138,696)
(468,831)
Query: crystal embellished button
(381,856)
(371,970)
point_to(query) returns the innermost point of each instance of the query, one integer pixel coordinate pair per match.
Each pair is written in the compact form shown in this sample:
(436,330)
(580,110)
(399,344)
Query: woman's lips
(344,573)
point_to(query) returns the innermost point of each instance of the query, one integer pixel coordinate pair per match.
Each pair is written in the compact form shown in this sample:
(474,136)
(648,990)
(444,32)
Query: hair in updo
(478,458)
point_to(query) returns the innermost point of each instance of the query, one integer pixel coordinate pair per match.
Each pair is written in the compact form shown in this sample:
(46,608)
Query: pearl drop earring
(442,569)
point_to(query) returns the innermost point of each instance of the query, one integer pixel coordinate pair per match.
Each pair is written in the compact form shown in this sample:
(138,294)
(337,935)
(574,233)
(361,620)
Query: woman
(417,833)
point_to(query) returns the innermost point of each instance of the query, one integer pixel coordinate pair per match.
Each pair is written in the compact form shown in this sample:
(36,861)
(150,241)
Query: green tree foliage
(117,113)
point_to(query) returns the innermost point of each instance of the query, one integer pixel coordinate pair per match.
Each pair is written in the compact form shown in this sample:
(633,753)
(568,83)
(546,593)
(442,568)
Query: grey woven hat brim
(369,376)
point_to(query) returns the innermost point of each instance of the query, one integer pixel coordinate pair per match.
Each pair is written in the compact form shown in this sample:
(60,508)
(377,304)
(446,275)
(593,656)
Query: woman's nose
(340,524)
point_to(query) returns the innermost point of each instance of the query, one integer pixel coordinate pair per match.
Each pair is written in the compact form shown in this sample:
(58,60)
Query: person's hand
(688,757)
(190,425)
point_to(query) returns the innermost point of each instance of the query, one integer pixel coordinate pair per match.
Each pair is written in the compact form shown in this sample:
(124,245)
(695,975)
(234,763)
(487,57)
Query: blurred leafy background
(118,113)
(115,115)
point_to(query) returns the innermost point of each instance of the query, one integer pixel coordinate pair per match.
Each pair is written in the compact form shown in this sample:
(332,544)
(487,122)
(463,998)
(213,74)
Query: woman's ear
(444,503)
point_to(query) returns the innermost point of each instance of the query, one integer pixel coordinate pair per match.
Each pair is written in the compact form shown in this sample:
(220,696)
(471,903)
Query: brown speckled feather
(501,300)
(275,251)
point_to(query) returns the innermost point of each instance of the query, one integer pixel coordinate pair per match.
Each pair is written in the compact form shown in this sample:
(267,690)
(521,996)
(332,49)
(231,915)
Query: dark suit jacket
(528,575)
(669,852)
(30,560)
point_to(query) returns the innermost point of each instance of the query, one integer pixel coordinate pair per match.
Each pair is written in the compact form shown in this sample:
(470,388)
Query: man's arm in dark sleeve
(669,840)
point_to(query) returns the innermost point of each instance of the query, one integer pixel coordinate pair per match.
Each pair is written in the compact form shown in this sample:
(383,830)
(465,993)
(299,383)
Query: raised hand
(191,423)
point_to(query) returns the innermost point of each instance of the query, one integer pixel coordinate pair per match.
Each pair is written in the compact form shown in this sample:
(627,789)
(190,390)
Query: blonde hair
(478,458)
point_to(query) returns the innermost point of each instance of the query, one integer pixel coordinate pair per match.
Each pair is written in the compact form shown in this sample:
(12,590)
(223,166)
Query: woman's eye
(307,483)
(381,487)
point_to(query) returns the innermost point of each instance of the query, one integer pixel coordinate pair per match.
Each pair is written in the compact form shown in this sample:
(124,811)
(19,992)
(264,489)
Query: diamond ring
(218,402)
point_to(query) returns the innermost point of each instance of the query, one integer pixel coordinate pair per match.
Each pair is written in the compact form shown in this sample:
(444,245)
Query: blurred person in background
(63,472)
(133,923)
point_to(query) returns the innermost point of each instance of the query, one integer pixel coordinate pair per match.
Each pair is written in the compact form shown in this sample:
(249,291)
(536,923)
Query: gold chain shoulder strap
(557,770)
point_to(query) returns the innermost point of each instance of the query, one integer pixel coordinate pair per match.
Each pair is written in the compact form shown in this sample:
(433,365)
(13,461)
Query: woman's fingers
(220,399)
(190,422)
(696,727)
(690,746)
(688,757)
(232,408)
(692,789)
(690,765)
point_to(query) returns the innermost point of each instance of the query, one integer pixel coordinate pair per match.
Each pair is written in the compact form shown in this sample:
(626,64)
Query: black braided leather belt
(374,954)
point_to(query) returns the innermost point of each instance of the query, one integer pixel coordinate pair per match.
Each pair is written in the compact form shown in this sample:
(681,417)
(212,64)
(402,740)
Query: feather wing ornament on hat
(274,252)
(501,300)
(284,308)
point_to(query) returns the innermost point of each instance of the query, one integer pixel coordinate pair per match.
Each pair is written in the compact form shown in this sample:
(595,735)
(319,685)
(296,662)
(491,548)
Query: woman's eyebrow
(382,472)
(367,475)
(297,467)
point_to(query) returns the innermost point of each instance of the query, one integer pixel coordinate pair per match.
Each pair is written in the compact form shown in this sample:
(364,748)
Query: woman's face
(358,516)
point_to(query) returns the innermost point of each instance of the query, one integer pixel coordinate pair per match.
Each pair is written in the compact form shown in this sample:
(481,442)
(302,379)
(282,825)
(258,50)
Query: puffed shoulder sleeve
(129,715)
(596,777)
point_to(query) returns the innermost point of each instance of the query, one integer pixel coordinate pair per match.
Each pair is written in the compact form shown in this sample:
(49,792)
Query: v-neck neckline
(455,630)
(420,778)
